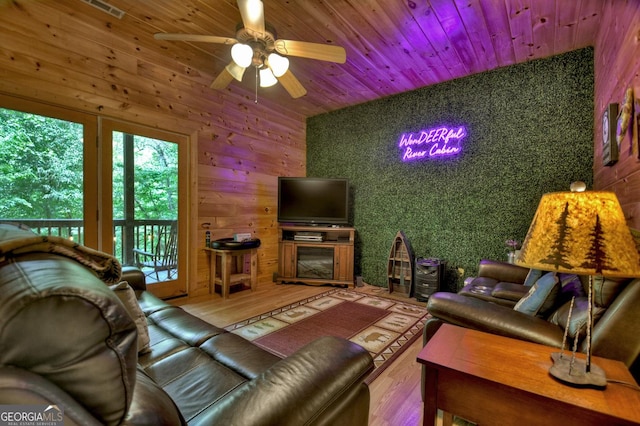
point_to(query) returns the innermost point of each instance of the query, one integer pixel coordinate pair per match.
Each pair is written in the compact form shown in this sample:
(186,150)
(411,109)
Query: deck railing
(138,234)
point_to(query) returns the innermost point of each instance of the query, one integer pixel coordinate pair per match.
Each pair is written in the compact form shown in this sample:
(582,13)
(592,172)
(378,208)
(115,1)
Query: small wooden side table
(231,268)
(489,379)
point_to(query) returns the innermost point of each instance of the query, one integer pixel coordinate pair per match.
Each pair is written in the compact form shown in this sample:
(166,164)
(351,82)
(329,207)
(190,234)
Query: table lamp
(583,233)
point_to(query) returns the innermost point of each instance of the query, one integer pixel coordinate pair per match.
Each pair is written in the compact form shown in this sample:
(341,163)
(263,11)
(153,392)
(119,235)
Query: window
(42,170)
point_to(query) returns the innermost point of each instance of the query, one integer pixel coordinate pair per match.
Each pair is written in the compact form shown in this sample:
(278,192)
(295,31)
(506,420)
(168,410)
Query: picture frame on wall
(625,116)
(609,139)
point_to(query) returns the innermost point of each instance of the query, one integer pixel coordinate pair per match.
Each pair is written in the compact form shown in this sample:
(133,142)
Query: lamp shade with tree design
(583,233)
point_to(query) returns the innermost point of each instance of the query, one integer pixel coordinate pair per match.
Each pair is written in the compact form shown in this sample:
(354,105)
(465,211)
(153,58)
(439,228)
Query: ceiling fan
(256,45)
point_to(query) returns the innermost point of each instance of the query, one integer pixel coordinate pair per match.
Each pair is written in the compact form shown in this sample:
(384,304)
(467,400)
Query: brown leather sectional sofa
(67,340)
(616,334)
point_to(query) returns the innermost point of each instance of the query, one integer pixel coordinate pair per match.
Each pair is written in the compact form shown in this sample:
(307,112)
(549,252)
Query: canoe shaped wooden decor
(400,267)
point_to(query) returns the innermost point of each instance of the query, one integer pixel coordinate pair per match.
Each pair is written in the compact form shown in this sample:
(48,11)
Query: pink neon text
(436,142)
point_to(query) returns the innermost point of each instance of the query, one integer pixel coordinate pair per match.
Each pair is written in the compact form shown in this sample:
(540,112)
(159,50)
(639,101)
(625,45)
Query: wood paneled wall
(239,147)
(95,64)
(617,65)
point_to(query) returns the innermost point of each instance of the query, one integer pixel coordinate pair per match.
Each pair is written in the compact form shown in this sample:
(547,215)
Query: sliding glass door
(146,224)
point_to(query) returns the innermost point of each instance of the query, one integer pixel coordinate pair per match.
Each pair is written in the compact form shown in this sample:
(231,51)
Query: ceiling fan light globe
(267,79)
(242,54)
(235,70)
(278,64)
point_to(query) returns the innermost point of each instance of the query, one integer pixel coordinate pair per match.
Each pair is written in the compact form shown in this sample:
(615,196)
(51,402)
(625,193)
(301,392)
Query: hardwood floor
(395,394)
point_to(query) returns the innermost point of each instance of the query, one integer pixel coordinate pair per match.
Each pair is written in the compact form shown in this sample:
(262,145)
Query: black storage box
(428,276)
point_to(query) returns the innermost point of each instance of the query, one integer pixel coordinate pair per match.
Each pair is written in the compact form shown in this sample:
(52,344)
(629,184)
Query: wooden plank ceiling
(392,46)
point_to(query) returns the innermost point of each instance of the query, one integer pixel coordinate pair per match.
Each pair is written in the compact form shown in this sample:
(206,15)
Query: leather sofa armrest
(502,271)
(479,315)
(327,374)
(135,277)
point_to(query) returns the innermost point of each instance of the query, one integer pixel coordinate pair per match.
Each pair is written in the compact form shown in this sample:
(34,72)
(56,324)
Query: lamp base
(577,375)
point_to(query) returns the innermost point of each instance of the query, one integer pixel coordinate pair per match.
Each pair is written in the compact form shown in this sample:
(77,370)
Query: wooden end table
(231,268)
(489,379)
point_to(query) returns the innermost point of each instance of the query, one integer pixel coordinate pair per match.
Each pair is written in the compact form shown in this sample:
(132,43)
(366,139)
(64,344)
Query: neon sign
(431,143)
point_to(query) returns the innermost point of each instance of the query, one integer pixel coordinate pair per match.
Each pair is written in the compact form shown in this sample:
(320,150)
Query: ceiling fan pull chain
(256,84)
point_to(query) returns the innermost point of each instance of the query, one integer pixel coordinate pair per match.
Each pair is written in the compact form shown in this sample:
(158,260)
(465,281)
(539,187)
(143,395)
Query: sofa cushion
(483,287)
(510,291)
(193,380)
(570,286)
(541,296)
(162,344)
(482,283)
(605,290)
(579,316)
(128,298)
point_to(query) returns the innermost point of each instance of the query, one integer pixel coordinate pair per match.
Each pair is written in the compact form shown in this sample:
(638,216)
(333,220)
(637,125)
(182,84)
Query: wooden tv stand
(315,255)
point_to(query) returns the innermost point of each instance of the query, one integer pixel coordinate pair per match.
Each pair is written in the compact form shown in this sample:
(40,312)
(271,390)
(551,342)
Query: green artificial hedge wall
(529,131)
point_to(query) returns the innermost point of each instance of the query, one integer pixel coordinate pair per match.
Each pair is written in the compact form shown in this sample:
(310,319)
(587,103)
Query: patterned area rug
(382,326)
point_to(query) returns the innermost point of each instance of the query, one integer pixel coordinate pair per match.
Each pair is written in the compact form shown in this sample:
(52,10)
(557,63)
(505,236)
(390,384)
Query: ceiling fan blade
(195,37)
(292,85)
(252,12)
(222,80)
(303,49)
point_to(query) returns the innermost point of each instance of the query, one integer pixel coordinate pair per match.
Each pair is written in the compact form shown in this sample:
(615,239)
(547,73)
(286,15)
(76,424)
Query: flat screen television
(313,201)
